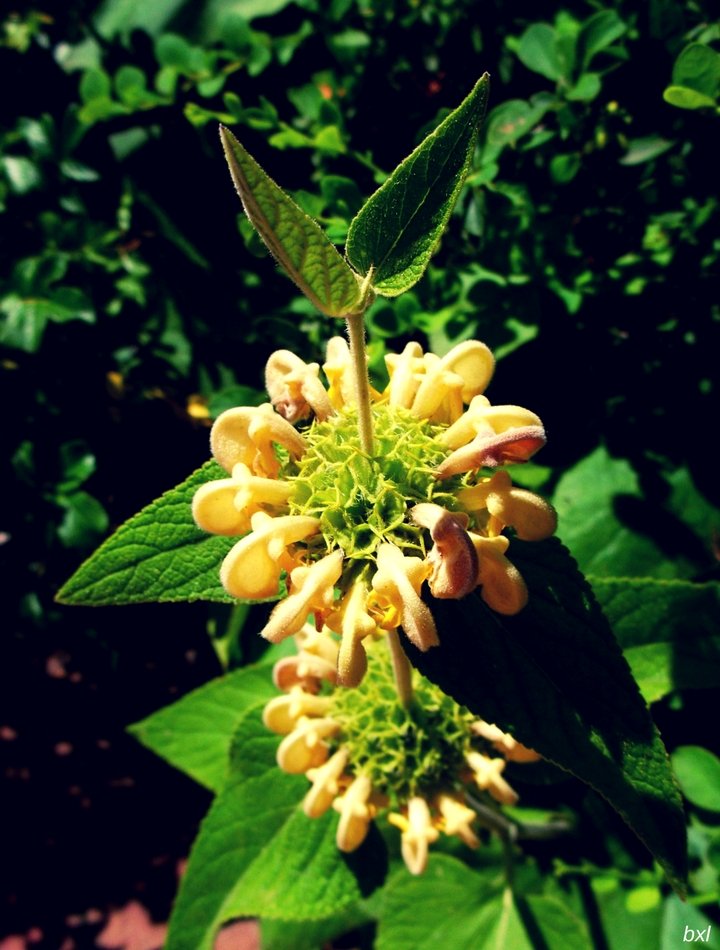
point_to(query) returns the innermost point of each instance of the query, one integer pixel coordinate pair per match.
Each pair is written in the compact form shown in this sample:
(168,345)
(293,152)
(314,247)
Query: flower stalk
(358,354)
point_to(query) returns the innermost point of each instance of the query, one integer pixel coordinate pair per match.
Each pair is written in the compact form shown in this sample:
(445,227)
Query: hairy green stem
(401,669)
(356,334)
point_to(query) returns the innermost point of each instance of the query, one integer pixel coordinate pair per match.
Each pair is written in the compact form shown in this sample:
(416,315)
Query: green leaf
(310,934)
(698,772)
(681,919)
(645,149)
(685,98)
(158,555)
(667,629)
(84,522)
(509,121)
(293,238)
(537,50)
(449,905)
(195,733)
(588,499)
(698,67)
(596,34)
(559,925)
(398,228)
(257,853)
(554,677)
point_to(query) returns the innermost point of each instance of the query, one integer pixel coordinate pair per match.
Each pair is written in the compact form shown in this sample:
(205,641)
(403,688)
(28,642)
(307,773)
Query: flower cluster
(355,535)
(364,753)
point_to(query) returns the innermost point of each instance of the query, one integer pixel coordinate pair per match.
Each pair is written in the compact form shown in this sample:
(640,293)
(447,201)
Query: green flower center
(362,501)
(419,750)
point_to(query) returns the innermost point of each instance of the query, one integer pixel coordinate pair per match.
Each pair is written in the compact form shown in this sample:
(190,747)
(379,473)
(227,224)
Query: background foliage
(137,304)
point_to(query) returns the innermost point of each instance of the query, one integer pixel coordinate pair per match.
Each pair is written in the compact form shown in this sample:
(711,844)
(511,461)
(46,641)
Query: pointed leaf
(449,905)
(257,853)
(398,228)
(294,239)
(554,677)
(195,733)
(158,555)
(668,631)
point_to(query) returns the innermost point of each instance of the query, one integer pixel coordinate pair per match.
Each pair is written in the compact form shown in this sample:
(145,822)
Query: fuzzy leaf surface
(195,733)
(668,631)
(257,853)
(296,241)
(398,228)
(554,677)
(157,555)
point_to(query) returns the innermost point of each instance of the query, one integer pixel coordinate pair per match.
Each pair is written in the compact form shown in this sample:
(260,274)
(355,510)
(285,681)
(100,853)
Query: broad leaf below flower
(157,555)
(195,733)
(554,677)
(258,855)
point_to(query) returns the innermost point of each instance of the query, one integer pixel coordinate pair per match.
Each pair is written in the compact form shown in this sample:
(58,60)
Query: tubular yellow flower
(501,584)
(247,435)
(356,813)
(396,584)
(252,568)
(531,516)
(488,777)
(281,715)
(312,592)
(457,819)
(354,624)
(325,784)
(304,748)
(503,742)
(225,506)
(418,833)
(453,380)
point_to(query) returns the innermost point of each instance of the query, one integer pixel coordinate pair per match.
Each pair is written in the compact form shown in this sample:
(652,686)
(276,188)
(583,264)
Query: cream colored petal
(405,371)
(305,669)
(355,814)
(253,490)
(488,777)
(312,590)
(214,509)
(418,835)
(531,516)
(338,370)
(230,440)
(503,742)
(251,570)
(480,418)
(318,642)
(282,713)
(466,369)
(325,784)
(354,624)
(502,586)
(304,748)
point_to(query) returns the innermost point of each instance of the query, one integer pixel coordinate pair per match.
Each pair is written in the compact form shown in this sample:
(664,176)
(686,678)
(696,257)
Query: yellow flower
(418,833)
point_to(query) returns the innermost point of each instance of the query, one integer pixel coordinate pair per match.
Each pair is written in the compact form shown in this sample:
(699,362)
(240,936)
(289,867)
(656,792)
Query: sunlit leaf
(294,239)
(668,631)
(258,854)
(195,733)
(158,555)
(398,228)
